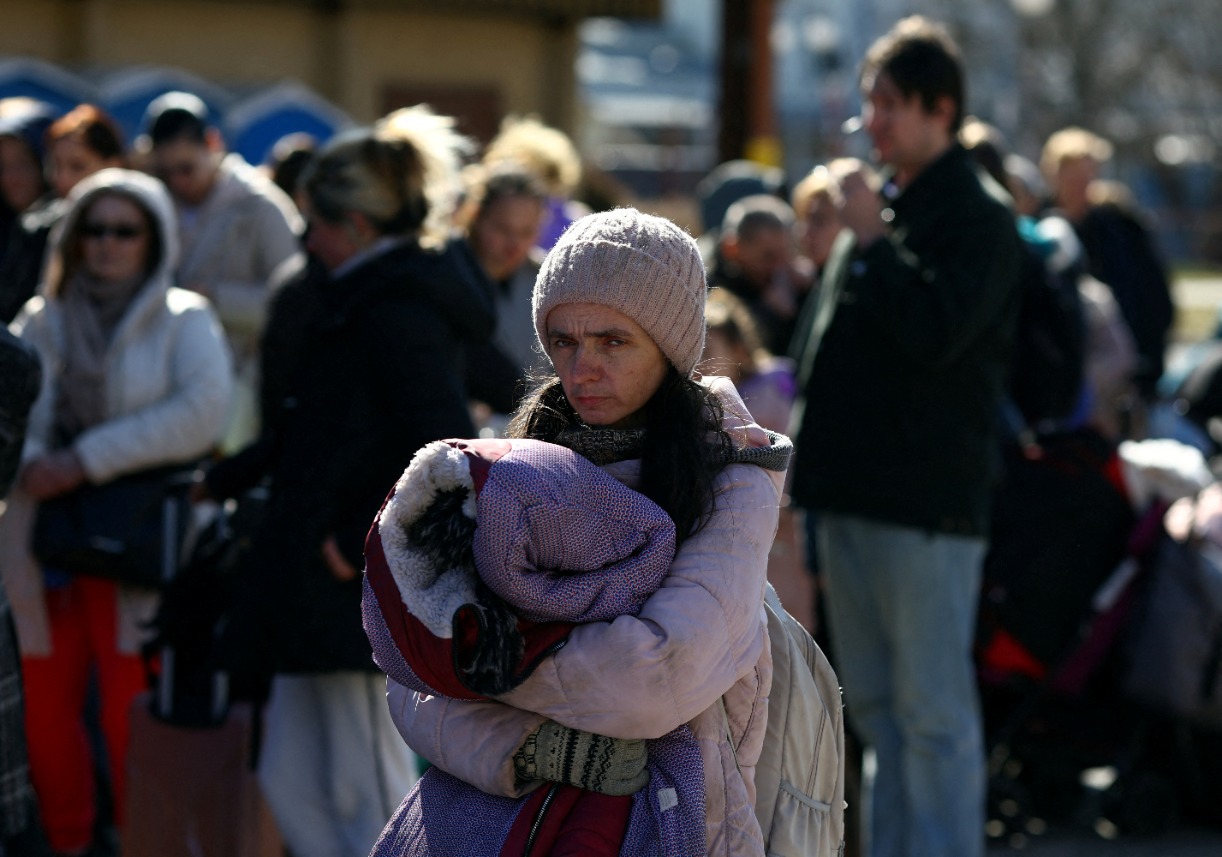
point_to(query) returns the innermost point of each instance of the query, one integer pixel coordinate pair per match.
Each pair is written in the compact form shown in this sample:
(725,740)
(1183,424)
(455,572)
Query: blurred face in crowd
(72,160)
(906,136)
(20,174)
(724,355)
(504,233)
(1073,177)
(818,229)
(115,239)
(331,242)
(608,365)
(188,169)
(761,254)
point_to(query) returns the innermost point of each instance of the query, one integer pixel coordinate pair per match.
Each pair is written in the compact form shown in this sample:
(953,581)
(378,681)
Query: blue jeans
(902,608)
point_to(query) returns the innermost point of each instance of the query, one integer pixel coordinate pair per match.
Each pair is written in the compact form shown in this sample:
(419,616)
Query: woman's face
(819,228)
(504,232)
(608,365)
(333,244)
(115,239)
(71,161)
(20,174)
(1073,178)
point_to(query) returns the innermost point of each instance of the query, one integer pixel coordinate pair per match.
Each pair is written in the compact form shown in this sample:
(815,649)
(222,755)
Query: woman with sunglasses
(137,376)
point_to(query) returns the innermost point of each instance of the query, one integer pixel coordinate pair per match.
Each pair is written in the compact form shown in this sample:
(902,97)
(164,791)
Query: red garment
(574,823)
(84,633)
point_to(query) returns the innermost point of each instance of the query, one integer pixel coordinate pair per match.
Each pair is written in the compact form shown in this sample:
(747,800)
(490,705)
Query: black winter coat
(21,266)
(906,362)
(20,379)
(1121,253)
(360,372)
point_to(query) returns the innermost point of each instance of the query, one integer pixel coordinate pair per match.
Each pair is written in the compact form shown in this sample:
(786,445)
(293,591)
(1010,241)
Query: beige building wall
(354,56)
(508,54)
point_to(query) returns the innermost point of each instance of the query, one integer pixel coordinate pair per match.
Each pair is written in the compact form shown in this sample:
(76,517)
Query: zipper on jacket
(534,828)
(534,665)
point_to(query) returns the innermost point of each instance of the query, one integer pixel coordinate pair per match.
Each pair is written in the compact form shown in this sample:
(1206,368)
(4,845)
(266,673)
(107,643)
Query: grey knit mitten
(610,766)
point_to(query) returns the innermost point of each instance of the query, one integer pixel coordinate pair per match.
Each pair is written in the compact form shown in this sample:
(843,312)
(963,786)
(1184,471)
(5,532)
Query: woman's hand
(341,569)
(558,754)
(53,475)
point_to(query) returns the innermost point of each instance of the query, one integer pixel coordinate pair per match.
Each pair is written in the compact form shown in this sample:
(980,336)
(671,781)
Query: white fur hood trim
(431,595)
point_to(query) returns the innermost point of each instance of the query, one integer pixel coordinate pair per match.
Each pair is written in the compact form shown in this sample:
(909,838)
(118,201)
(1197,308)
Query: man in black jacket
(902,371)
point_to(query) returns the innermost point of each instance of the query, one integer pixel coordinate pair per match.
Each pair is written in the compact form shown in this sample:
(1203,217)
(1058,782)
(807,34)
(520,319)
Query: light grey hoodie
(168,385)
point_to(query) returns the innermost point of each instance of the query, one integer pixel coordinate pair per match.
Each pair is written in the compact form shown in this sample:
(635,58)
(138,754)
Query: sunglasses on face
(121,231)
(170,171)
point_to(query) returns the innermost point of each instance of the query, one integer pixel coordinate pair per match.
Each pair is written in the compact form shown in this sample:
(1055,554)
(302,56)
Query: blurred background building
(330,61)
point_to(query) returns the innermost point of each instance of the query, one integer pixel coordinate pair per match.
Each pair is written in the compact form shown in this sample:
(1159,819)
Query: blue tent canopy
(253,126)
(127,94)
(31,78)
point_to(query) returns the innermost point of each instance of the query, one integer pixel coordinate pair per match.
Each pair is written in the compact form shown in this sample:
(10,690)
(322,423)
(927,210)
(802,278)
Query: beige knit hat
(643,266)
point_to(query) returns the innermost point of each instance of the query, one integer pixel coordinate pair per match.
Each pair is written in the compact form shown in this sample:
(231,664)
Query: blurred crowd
(292,332)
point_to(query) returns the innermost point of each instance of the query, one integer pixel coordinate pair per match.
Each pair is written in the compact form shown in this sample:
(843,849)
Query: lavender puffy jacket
(701,636)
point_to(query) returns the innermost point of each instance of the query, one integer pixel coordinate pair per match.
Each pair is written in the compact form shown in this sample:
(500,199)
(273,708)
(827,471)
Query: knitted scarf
(92,310)
(607,446)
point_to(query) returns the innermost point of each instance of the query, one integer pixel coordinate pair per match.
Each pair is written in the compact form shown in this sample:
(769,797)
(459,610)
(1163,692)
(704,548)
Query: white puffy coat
(168,384)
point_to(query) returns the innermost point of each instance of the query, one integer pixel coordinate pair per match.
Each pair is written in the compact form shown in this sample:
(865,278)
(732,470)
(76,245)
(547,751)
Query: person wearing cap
(235,226)
(618,309)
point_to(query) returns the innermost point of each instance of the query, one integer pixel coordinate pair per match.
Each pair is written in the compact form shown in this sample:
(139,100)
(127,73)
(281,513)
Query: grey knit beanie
(643,266)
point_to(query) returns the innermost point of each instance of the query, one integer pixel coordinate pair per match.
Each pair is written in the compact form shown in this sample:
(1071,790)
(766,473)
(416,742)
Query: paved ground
(1181,843)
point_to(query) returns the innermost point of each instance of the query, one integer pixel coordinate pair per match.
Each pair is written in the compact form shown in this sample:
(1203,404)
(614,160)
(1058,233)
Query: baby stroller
(1063,573)
(1173,671)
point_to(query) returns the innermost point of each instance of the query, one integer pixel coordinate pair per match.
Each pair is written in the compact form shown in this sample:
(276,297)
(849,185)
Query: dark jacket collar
(450,280)
(945,177)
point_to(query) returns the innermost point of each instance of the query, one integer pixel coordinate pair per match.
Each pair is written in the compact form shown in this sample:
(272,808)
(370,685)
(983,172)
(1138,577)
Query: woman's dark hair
(684,446)
(506,181)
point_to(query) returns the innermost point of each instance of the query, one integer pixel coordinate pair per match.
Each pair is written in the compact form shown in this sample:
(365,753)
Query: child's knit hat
(643,266)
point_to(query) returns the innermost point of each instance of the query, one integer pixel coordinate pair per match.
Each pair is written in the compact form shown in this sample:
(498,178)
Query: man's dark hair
(176,116)
(922,59)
